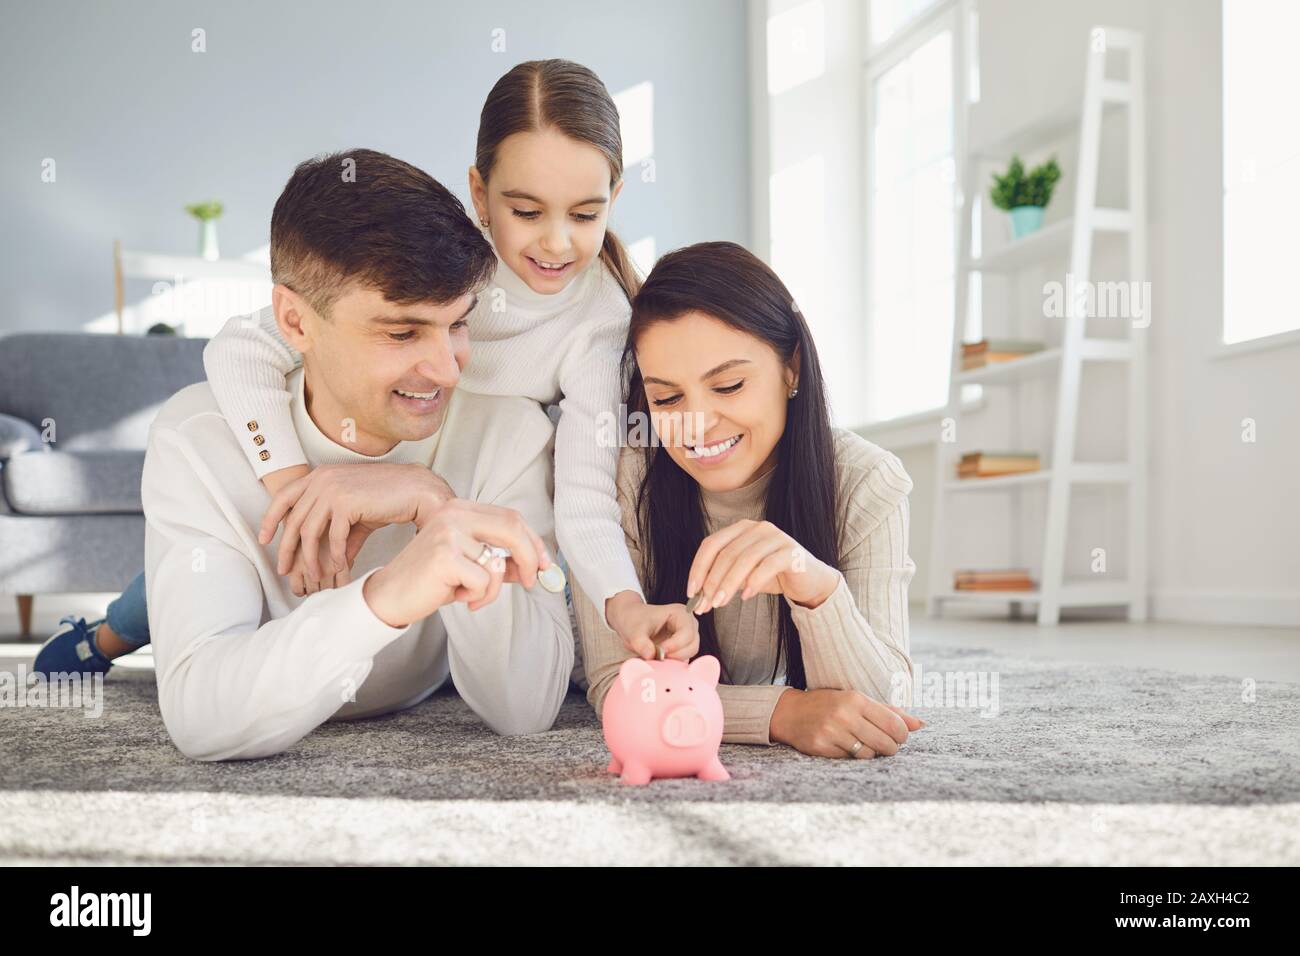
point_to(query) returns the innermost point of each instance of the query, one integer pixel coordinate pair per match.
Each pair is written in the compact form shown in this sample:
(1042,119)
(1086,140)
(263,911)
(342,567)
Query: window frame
(953,16)
(1221,347)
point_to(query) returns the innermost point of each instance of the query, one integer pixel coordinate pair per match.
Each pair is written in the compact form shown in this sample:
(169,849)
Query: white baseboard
(1261,609)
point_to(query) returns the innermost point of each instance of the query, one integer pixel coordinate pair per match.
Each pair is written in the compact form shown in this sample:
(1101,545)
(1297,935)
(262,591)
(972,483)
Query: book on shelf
(988,351)
(989,464)
(1005,579)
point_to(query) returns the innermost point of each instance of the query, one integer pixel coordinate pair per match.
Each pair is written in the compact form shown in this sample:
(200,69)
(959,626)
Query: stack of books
(989,464)
(987,351)
(1011,579)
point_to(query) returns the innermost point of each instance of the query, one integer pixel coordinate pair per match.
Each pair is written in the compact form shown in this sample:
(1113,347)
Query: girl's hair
(727,282)
(566,96)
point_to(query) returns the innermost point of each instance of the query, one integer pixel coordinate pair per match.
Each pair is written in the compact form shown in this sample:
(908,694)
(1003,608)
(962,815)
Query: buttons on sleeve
(259,440)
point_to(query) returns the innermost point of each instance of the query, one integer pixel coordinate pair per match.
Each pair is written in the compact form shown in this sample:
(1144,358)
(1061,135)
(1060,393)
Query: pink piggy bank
(664,719)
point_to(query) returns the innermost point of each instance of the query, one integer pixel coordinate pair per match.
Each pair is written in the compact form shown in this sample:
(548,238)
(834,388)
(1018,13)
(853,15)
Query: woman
(794,533)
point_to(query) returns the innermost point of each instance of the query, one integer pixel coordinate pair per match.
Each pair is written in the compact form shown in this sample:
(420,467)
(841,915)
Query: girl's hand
(336,507)
(300,580)
(827,723)
(752,557)
(648,629)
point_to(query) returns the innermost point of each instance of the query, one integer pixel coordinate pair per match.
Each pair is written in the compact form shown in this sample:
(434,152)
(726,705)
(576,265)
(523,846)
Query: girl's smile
(549,270)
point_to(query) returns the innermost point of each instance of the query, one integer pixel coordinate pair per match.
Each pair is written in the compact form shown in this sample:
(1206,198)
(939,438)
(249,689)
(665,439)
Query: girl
(548,167)
(793,533)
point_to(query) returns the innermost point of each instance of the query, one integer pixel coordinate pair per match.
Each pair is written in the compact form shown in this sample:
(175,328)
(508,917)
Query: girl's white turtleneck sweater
(563,348)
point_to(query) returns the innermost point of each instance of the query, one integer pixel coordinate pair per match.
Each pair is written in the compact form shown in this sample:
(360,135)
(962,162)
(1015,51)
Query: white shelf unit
(1075,235)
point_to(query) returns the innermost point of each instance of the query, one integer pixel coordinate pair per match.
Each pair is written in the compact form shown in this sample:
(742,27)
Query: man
(374,276)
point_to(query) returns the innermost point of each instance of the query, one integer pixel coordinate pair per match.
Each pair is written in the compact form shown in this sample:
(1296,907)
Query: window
(911,218)
(890,16)
(1261,167)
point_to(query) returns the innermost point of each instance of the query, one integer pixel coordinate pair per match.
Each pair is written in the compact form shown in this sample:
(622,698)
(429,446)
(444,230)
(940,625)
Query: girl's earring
(482,222)
(794,392)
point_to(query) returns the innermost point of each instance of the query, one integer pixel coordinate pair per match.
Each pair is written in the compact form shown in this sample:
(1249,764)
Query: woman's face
(547,204)
(717,397)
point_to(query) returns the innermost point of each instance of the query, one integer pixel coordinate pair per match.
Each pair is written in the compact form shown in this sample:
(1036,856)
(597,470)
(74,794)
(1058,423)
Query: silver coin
(552,578)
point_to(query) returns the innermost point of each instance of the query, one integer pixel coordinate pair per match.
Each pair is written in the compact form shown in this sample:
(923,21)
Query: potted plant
(1025,195)
(207,214)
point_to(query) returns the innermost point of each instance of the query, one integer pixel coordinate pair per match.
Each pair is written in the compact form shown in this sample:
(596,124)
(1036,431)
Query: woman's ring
(857,745)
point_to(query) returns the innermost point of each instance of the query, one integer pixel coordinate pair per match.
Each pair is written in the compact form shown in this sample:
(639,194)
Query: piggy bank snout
(685,726)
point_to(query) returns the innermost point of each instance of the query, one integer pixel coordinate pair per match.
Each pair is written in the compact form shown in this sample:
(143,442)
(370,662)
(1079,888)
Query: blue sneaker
(72,650)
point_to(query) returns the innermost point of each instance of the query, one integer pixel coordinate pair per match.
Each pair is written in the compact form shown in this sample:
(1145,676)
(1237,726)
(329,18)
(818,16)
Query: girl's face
(717,397)
(547,205)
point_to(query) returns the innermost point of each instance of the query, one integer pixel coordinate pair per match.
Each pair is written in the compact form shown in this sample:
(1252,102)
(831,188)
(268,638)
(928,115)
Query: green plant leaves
(205,210)
(1015,187)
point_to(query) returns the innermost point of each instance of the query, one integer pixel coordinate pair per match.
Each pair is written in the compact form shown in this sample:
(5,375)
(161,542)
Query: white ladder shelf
(1065,362)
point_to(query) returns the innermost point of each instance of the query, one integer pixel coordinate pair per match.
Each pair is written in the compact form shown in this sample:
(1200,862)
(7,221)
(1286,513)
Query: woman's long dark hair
(729,283)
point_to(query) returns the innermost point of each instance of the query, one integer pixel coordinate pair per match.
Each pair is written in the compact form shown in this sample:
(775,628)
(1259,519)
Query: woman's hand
(647,629)
(828,722)
(752,557)
(337,507)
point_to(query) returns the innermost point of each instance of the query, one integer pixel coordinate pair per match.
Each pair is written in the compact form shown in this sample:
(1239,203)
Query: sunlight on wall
(643,254)
(796,47)
(798,212)
(636,120)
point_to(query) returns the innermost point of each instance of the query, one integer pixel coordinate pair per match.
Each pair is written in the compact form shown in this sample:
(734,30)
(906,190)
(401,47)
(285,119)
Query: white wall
(139,125)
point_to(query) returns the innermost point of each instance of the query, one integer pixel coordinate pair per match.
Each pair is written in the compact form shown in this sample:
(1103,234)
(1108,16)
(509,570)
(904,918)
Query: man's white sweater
(246,669)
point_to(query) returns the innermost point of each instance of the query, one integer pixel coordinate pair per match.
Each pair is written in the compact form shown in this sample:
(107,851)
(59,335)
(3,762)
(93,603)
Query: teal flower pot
(1025,219)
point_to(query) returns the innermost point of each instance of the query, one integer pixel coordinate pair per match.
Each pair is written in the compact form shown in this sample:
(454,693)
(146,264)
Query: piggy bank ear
(633,669)
(705,669)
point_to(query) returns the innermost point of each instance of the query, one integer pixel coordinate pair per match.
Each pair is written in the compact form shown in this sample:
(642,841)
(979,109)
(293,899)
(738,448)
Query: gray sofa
(74,418)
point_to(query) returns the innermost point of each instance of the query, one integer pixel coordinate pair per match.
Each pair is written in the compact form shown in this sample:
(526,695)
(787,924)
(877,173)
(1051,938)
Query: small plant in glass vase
(207,213)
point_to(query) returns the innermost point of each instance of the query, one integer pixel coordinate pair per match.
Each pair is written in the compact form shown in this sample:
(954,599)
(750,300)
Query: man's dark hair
(361,216)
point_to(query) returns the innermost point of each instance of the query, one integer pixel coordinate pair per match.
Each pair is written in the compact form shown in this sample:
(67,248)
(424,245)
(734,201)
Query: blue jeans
(128,615)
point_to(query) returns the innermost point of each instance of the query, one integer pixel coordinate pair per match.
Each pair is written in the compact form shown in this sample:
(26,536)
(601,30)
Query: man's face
(378,372)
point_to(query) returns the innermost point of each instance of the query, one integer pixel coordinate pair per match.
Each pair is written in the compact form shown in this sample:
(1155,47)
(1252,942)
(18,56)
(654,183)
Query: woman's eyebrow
(716,370)
(529,197)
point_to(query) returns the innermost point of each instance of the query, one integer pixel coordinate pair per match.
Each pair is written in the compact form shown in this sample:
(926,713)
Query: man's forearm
(511,659)
(231,688)
(383,595)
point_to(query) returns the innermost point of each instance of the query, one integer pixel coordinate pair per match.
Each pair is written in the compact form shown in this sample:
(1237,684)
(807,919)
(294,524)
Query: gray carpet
(1081,764)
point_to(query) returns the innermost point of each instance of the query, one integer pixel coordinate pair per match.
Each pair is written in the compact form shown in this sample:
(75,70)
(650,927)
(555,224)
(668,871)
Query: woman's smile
(713,454)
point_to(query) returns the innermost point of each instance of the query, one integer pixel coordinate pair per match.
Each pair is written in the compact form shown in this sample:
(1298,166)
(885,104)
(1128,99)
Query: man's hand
(647,629)
(827,723)
(440,565)
(339,506)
